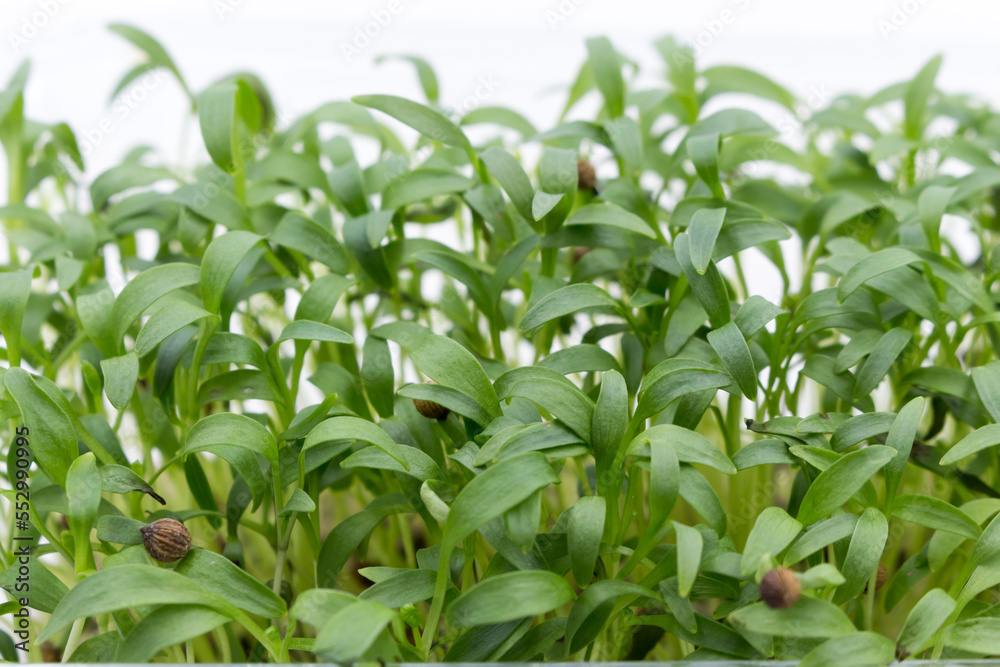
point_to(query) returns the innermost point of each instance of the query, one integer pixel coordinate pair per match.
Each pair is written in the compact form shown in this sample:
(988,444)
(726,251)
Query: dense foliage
(577,430)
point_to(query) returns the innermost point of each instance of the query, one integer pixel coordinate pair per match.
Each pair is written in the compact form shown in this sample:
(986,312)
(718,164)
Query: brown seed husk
(430,409)
(585,174)
(881,577)
(780,588)
(166,540)
(579,252)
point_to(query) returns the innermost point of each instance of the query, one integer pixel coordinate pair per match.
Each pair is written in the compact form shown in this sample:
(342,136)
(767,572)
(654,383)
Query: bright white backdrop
(309,51)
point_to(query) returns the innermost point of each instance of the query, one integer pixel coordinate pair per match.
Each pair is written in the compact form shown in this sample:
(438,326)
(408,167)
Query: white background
(525,47)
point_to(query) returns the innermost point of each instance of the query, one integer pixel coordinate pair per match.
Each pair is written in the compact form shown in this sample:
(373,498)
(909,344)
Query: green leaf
(935,514)
(353,428)
(297,232)
(15,288)
(423,119)
(762,452)
(729,344)
(119,529)
(53,440)
(171,317)
(119,479)
(559,397)
(133,586)
(901,437)
(872,266)
(976,635)
(237,439)
(860,648)
(709,289)
(309,330)
(377,375)
(351,631)
(583,536)
(48,591)
(610,215)
(347,535)
(222,109)
(568,300)
(819,536)
(835,485)
(704,153)
(447,363)
(222,256)
(924,620)
(406,587)
(863,553)
(417,464)
(605,65)
(881,359)
(83,498)
(167,626)
(690,446)
(610,419)
(980,439)
(140,293)
(593,608)
(703,230)
(510,174)
(492,493)
(987,381)
(500,116)
(452,399)
(773,530)
(157,57)
(506,597)
(689,550)
(916,98)
(217,574)
(421,184)
(732,79)
(120,377)
(809,617)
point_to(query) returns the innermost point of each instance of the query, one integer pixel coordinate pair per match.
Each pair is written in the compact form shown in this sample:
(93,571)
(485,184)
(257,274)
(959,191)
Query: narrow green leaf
(863,554)
(773,530)
(423,119)
(703,230)
(15,288)
(980,439)
(835,485)
(583,537)
(222,256)
(140,293)
(924,620)
(507,597)
(881,359)
(935,514)
(120,377)
(53,440)
(729,344)
(976,635)
(871,266)
(862,649)
(604,63)
(167,626)
(567,301)
(610,215)
(809,617)
(133,586)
